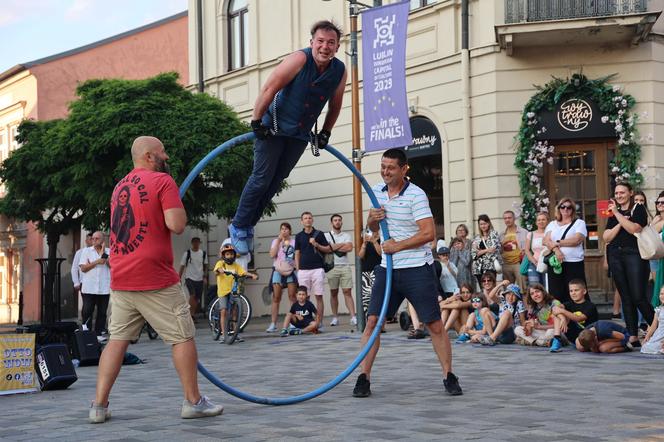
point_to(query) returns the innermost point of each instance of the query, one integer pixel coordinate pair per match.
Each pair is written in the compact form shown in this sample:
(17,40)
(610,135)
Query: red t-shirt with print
(141,251)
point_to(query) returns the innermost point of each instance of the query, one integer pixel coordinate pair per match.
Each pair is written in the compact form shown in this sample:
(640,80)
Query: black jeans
(630,274)
(89,303)
(559,284)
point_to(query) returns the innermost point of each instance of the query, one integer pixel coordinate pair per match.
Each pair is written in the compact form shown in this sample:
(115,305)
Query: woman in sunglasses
(628,270)
(564,236)
(657,224)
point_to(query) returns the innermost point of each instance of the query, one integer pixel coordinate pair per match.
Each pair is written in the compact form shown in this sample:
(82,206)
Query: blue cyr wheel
(381,318)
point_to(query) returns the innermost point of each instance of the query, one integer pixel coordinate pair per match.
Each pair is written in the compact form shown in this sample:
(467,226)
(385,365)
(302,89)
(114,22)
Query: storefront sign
(426,138)
(17,372)
(573,118)
(384,77)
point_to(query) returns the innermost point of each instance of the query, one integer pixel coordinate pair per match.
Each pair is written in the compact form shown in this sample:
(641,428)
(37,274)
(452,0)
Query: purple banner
(384,35)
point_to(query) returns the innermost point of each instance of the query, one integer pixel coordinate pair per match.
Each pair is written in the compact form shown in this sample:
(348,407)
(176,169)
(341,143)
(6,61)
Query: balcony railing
(518,11)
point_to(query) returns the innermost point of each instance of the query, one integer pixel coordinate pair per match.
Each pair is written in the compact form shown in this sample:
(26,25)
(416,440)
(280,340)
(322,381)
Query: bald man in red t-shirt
(145,209)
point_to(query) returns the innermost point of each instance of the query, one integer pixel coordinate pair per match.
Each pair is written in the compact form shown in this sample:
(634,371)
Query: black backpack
(188,260)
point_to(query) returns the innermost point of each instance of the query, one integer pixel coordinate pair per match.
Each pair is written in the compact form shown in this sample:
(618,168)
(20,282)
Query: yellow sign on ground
(17,370)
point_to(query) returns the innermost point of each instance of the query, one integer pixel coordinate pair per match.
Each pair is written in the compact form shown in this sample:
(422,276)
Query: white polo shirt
(96,281)
(402,213)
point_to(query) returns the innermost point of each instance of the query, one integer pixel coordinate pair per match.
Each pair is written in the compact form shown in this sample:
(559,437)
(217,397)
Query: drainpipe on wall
(465,104)
(199,43)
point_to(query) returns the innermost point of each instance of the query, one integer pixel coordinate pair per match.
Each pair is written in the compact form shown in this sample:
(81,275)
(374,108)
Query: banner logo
(386,122)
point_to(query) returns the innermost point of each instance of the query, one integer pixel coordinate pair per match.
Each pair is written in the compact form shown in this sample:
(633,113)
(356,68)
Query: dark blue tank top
(301,101)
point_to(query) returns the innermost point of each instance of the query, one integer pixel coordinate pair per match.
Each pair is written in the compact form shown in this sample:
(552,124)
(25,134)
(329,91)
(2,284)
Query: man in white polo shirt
(405,208)
(341,275)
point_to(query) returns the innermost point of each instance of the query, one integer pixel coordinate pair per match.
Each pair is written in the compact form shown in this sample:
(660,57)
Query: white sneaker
(204,408)
(334,322)
(353,320)
(272,328)
(98,414)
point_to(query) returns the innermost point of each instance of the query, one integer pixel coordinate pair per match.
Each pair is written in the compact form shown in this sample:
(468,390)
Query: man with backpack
(194,266)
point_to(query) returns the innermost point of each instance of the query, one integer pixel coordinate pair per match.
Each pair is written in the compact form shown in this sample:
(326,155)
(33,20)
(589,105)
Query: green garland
(531,154)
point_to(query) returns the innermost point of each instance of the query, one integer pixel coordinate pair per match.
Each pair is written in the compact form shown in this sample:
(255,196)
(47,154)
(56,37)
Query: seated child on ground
(227,263)
(654,340)
(475,325)
(511,313)
(454,310)
(573,315)
(604,337)
(540,321)
(302,315)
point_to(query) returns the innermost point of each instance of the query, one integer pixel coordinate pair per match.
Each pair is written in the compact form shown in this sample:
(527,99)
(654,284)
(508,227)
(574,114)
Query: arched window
(238,34)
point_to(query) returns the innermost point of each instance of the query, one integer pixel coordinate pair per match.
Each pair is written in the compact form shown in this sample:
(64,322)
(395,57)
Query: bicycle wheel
(246,311)
(233,316)
(213,319)
(152,334)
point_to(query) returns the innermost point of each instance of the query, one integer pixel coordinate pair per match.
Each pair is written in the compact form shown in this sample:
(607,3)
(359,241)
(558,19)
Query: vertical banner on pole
(17,372)
(386,123)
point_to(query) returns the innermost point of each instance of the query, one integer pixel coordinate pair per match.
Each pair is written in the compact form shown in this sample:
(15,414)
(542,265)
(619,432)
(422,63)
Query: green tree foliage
(64,173)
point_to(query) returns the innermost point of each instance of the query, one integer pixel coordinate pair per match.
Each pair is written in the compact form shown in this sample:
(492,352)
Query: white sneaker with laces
(272,328)
(204,408)
(353,320)
(334,322)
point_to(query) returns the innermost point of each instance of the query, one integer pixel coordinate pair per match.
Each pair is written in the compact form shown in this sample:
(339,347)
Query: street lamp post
(354,8)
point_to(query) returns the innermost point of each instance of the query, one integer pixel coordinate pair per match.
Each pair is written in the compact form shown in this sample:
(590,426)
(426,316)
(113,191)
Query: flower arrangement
(532,152)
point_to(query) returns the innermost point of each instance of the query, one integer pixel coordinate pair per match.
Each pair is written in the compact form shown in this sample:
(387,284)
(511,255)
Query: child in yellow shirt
(225,282)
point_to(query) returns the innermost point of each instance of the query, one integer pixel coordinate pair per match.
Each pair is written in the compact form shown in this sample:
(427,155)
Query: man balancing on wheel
(406,209)
(285,111)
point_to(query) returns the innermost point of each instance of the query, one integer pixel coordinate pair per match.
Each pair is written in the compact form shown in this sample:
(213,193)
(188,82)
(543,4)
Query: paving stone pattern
(511,393)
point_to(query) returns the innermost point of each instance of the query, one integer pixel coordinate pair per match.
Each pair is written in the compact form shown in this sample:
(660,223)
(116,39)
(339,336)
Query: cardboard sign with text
(17,372)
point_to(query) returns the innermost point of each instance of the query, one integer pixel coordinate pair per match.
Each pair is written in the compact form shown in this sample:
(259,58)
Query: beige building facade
(474,98)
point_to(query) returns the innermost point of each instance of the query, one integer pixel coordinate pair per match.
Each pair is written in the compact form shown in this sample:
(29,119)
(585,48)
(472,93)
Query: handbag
(525,262)
(548,256)
(283,267)
(650,243)
(496,266)
(328,258)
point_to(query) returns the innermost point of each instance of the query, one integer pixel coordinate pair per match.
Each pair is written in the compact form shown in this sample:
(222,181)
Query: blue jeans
(535,277)
(274,158)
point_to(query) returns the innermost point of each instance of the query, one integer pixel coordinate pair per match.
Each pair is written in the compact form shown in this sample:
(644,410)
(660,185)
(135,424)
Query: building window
(13,131)
(414,4)
(238,34)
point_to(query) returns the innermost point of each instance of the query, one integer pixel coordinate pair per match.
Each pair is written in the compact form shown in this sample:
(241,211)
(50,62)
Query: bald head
(142,145)
(149,153)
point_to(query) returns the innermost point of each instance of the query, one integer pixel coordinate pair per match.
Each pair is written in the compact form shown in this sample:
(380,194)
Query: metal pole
(357,160)
(199,44)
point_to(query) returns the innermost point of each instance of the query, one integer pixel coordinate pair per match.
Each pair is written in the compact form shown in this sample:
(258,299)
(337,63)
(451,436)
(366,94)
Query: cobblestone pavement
(510,393)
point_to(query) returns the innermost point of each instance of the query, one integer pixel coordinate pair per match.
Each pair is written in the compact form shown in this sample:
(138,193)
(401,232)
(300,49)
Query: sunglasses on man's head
(476,300)
(566,207)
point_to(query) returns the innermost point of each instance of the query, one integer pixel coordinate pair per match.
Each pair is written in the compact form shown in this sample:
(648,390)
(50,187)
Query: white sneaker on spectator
(334,322)
(353,320)
(272,328)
